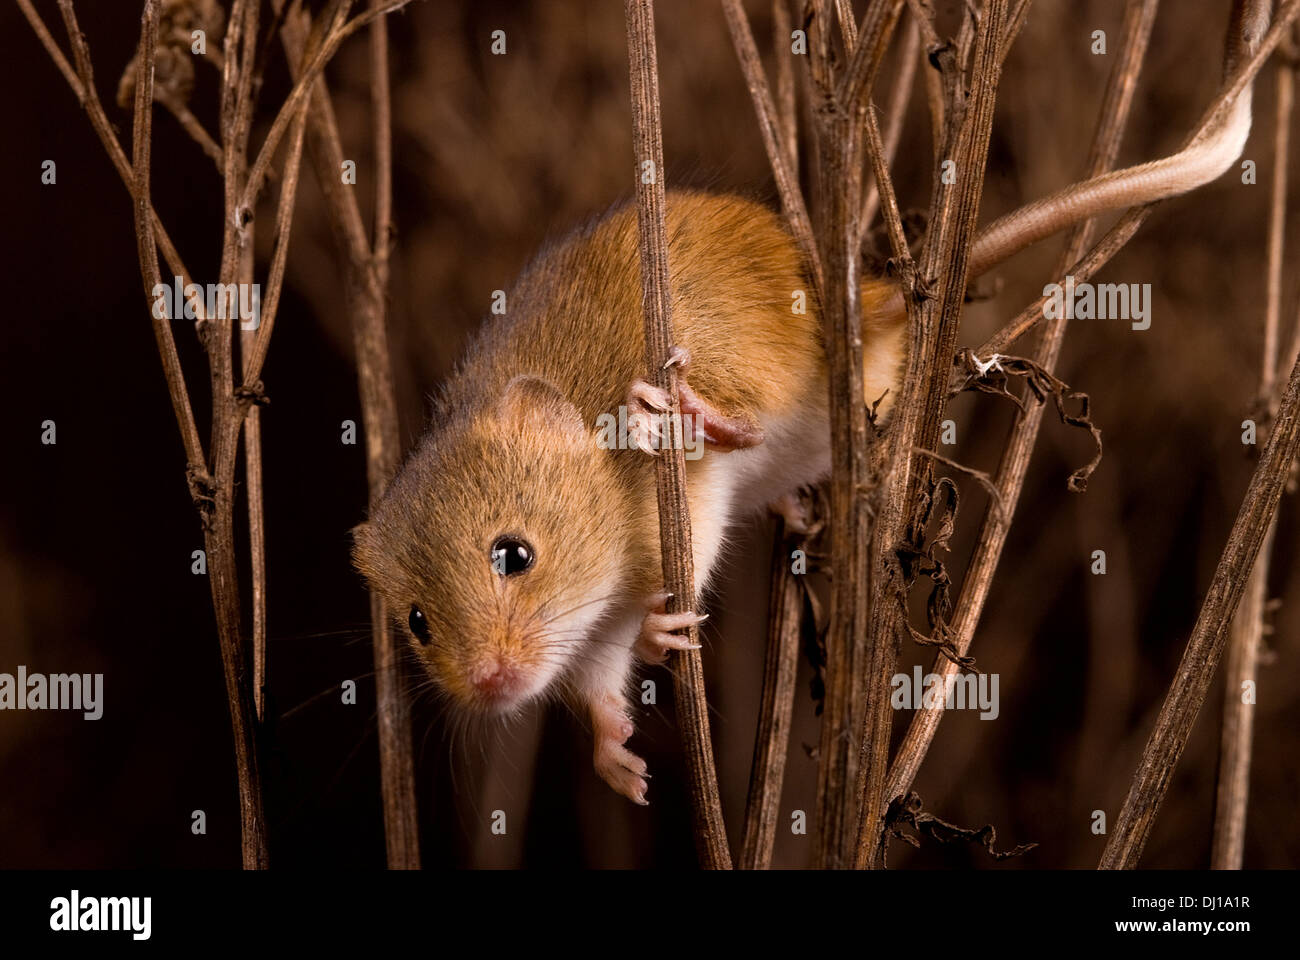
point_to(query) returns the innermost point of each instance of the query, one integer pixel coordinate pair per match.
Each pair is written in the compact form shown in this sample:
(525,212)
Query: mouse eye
(510,555)
(418,624)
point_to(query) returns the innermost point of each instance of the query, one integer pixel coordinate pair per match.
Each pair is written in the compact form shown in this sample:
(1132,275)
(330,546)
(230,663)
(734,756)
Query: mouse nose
(495,679)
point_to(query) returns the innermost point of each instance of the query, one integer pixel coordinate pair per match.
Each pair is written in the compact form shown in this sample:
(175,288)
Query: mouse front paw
(648,407)
(618,766)
(657,637)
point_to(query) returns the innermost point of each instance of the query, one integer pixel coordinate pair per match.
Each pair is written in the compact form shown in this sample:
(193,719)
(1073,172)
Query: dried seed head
(174,67)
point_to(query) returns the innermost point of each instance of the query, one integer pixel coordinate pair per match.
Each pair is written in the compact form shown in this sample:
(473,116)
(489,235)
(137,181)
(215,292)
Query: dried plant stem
(850,517)
(1195,672)
(787,106)
(366,305)
(1229,839)
(218,488)
(934,325)
(83,85)
(670,465)
(1232,792)
(253,492)
(191,125)
(401,826)
(776,706)
(1138,20)
(775,142)
(841,131)
(909,57)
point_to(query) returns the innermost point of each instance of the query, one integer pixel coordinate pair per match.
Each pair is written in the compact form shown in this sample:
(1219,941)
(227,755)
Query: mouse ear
(531,403)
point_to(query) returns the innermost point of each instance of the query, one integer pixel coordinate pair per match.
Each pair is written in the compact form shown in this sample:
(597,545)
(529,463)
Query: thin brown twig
(1009,481)
(256,347)
(1015,24)
(872,39)
(848,26)
(190,123)
(877,152)
(366,307)
(402,827)
(147,243)
(1200,658)
(382,137)
(83,86)
(787,182)
(909,57)
(844,123)
(670,465)
(254,493)
(1227,848)
(917,414)
(787,107)
(776,706)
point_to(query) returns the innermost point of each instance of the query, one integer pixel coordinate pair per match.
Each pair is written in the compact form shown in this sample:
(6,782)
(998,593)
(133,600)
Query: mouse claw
(646,405)
(623,770)
(657,636)
(618,766)
(678,357)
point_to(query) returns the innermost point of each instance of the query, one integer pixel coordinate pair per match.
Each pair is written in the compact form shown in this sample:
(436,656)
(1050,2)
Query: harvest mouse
(519,547)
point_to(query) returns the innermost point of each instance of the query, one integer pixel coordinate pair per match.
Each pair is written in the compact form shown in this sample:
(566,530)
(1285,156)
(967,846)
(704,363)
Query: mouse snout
(496,679)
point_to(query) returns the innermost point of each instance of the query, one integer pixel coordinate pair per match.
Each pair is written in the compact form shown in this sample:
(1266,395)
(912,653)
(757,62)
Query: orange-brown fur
(511,446)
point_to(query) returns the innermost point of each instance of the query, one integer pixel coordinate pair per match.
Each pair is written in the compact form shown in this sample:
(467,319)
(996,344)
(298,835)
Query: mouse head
(498,546)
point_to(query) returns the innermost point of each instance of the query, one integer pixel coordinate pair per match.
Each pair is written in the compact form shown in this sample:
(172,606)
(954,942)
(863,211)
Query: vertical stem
(366,304)
(776,707)
(774,141)
(218,528)
(382,135)
(1228,843)
(850,518)
(996,524)
(1233,791)
(917,414)
(379,410)
(787,107)
(1191,683)
(909,57)
(254,492)
(670,465)
(840,135)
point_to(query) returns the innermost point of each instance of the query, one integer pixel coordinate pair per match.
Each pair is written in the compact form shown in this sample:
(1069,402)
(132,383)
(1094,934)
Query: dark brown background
(492,154)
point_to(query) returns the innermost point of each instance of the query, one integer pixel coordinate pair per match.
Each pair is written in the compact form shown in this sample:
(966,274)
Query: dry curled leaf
(907,812)
(994,375)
